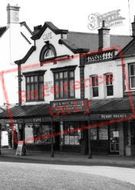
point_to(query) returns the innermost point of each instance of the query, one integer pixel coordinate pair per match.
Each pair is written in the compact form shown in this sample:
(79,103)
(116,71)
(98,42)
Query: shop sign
(116,134)
(113,116)
(70,106)
(20,121)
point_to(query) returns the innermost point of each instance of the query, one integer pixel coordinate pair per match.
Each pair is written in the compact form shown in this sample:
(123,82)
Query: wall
(100,69)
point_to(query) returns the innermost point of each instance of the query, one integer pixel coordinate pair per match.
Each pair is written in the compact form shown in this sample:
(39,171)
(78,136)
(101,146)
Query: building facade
(72,92)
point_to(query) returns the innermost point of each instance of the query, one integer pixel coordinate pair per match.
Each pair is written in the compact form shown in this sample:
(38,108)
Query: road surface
(27,176)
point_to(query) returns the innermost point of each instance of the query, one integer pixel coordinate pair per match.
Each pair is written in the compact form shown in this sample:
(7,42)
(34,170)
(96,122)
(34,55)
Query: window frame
(35,87)
(130,76)
(64,80)
(46,48)
(93,86)
(109,85)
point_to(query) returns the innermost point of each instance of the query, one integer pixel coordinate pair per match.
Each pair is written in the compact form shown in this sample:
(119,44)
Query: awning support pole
(52,142)
(89,142)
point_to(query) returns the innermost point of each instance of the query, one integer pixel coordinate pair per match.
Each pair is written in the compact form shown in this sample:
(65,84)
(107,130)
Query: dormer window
(47,52)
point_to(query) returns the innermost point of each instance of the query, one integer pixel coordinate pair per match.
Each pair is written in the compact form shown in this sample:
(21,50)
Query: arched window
(47,52)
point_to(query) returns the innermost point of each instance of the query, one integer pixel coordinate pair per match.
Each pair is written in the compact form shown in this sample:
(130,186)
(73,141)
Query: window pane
(71,88)
(61,75)
(93,133)
(61,88)
(94,81)
(27,79)
(132,82)
(65,74)
(41,91)
(28,92)
(41,78)
(36,92)
(32,92)
(56,75)
(49,53)
(56,87)
(31,79)
(35,78)
(71,74)
(95,91)
(132,69)
(65,89)
(109,79)
(109,90)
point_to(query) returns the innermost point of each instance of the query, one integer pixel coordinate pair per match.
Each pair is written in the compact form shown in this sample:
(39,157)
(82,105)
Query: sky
(69,14)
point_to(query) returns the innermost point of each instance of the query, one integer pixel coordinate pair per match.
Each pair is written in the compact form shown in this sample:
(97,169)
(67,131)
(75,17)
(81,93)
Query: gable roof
(128,51)
(50,25)
(2,30)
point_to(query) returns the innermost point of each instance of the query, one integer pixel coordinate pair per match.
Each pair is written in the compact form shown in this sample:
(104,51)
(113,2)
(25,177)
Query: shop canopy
(99,109)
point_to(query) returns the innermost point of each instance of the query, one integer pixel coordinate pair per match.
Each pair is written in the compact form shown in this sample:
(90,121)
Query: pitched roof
(50,25)
(90,40)
(129,50)
(80,41)
(2,30)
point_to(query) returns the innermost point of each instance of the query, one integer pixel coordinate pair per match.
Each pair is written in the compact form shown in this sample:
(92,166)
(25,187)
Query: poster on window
(72,140)
(93,133)
(103,133)
(29,138)
(46,134)
(66,140)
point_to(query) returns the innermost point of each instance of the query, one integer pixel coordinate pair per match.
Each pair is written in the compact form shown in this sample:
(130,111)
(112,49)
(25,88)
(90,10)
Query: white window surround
(131,77)
(110,85)
(94,85)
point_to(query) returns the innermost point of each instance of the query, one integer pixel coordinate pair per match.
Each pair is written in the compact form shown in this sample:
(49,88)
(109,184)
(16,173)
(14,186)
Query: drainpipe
(19,85)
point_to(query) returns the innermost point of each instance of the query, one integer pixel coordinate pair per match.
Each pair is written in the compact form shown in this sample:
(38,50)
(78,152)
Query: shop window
(109,84)
(132,133)
(94,85)
(132,76)
(72,134)
(103,133)
(100,133)
(34,86)
(93,133)
(42,134)
(64,84)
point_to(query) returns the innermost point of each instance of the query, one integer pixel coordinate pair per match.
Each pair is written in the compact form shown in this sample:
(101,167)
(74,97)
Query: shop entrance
(57,135)
(114,139)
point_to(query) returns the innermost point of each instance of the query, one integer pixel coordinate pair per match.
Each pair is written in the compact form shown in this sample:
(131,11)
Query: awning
(26,111)
(107,109)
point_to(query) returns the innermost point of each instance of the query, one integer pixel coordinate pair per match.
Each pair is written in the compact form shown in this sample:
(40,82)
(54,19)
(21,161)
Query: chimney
(12,14)
(133,28)
(104,36)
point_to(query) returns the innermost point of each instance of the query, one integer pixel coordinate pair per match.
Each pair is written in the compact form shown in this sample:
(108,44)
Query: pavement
(67,158)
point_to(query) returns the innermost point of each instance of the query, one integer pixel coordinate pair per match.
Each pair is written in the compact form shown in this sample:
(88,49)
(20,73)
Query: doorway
(114,139)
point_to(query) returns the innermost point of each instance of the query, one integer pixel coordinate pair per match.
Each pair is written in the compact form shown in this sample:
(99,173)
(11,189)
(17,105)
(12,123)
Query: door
(114,139)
